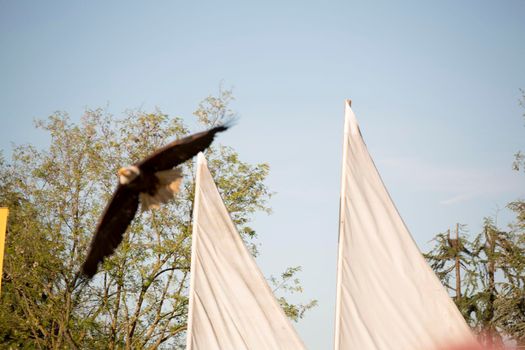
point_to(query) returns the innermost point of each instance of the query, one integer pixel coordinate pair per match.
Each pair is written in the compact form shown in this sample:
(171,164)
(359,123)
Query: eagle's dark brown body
(154,173)
(145,182)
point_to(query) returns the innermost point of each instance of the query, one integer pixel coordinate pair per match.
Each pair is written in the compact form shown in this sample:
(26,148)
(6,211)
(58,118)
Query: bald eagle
(152,182)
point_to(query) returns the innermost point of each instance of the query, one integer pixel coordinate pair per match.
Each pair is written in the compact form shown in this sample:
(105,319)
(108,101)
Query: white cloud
(455,183)
(457,199)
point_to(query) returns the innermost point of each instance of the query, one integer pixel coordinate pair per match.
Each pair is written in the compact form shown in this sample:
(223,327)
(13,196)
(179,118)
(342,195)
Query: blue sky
(435,86)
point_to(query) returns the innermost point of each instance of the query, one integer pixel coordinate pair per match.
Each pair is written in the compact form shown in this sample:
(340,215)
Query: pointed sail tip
(351,125)
(201,159)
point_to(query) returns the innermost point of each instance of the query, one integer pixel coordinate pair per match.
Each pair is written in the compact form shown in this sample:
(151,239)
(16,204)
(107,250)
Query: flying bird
(152,182)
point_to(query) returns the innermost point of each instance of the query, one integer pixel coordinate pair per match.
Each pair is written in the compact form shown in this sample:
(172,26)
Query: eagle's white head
(127,174)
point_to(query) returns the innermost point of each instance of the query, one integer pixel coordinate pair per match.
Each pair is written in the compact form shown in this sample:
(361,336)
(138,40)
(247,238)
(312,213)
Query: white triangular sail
(388,298)
(231,305)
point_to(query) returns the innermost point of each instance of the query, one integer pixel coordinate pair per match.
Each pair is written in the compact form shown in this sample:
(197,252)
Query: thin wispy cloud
(457,199)
(457,184)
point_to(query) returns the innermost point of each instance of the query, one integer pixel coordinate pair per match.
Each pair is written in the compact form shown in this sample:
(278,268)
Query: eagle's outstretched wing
(119,212)
(122,207)
(179,151)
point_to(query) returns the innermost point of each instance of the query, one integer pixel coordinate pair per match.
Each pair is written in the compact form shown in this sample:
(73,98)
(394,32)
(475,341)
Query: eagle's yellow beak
(124,172)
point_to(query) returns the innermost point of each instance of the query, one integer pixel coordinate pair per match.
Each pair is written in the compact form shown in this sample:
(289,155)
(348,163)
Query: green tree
(138,300)
(492,274)
(26,277)
(451,259)
(288,282)
(490,295)
(511,306)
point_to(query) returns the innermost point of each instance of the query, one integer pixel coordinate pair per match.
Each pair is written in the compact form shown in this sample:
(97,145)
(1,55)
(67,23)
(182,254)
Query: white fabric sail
(388,298)
(231,305)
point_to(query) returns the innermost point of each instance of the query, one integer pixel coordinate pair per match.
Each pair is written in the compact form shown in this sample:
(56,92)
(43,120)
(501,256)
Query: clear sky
(435,86)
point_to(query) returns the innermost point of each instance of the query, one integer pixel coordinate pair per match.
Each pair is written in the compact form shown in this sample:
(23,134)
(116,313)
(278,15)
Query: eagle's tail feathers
(169,185)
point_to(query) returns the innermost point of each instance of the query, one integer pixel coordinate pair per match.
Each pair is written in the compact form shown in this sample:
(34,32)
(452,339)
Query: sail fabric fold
(231,305)
(388,298)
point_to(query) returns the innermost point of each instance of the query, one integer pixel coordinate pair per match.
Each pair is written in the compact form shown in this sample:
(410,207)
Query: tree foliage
(288,282)
(139,299)
(519,157)
(492,295)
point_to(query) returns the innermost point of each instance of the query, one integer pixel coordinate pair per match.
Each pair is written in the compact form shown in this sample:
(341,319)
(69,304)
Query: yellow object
(3,224)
